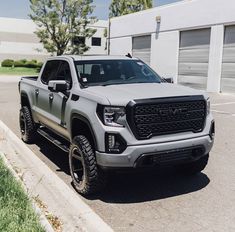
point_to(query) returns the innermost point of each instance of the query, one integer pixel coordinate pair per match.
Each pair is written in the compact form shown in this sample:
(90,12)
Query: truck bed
(33,78)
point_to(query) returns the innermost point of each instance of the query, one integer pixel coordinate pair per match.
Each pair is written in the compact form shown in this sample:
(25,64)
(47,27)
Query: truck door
(42,94)
(58,101)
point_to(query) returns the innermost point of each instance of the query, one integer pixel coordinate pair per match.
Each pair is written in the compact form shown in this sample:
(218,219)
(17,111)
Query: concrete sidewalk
(42,183)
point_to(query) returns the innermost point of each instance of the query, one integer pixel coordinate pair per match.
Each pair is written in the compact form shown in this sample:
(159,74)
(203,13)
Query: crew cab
(114,112)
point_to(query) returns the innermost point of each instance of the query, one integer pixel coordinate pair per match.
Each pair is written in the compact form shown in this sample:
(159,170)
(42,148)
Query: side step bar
(54,138)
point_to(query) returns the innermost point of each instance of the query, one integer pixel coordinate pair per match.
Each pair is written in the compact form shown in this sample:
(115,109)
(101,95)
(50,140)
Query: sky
(20,8)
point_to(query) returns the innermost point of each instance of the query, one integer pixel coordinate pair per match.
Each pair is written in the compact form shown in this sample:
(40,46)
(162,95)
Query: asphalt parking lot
(159,201)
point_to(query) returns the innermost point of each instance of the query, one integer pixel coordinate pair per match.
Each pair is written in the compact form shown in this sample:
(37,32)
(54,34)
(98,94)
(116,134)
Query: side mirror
(169,80)
(58,86)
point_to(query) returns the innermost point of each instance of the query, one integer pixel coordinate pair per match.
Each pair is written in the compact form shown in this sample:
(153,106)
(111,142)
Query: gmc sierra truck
(114,112)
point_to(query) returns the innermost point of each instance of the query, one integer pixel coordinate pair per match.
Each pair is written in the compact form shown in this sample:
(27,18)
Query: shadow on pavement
(133,187)
(154,185)
(53,153)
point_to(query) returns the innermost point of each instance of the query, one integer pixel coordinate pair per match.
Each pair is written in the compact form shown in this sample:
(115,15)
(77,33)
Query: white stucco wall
(121,46)
(176,17)
(164,53)
(18,41)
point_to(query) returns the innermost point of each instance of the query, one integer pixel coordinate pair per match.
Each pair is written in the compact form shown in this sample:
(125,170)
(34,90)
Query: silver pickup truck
(111,112)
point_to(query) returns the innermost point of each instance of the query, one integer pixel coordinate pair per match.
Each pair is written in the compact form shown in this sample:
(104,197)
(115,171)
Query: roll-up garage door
(228,66)
(141,48)
(194,58)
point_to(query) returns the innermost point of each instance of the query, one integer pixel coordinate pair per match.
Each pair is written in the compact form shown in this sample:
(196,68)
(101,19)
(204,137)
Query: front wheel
(87,177)
(27,125)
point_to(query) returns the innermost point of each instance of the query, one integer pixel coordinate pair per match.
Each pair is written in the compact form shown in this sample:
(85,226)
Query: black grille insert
(160,116)
(170,157)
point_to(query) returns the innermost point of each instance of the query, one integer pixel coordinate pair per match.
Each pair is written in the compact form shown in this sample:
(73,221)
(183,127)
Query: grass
(18,71)
(16,212)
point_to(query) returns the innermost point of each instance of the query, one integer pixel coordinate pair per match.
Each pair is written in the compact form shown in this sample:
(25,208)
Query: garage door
(194,58)
(228,66)
(141,48)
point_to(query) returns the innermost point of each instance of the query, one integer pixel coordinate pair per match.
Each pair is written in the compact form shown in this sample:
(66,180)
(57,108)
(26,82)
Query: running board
(54,138)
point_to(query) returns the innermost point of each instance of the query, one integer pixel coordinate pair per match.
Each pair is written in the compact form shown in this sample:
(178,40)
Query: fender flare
(87,122)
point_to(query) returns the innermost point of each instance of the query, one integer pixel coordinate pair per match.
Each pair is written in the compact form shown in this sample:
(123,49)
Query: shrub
(19,63)
(7,63)
(30,64)
(34,61)
(23,61)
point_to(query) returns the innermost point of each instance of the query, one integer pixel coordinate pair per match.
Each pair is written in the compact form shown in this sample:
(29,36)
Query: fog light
(212,130)
(111,141)
(114,143)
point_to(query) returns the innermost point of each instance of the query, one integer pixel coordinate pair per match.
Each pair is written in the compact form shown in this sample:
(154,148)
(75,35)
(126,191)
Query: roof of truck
(95,57)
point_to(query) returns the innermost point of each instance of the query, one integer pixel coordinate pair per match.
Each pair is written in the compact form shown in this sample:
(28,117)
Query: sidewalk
(45,185)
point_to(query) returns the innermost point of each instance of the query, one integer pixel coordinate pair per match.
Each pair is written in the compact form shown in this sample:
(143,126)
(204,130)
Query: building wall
(176,17)
(18,41)
(164,53)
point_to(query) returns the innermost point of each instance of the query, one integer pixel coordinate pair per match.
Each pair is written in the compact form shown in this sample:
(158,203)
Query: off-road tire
(194,167)
(93,179)
(28,128)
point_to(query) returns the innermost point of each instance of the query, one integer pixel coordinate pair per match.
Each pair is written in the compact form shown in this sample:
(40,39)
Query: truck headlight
(208,106)
(112,115)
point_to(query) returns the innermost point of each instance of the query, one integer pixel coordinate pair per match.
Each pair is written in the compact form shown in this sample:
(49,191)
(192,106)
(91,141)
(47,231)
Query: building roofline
(180,2)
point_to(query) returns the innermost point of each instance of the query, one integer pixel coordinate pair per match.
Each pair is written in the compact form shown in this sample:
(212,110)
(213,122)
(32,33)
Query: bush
(30,64)
(34,61)
(7,63)
(23,61)
(19,63)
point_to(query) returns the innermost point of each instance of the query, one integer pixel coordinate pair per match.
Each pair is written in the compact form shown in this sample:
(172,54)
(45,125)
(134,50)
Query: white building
(18,41)
(192,41)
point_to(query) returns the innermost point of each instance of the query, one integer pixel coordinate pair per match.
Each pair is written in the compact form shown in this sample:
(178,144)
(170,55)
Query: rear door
(58,101)
(42,94)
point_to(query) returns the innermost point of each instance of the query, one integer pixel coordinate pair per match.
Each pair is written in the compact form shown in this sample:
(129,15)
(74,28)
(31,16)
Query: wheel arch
(24,100)
(80,125)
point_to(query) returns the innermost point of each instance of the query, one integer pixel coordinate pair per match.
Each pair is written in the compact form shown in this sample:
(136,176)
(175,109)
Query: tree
(60,22)
(123,7)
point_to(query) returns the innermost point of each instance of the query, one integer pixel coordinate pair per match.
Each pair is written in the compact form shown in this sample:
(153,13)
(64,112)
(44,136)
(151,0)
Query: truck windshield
(113,72)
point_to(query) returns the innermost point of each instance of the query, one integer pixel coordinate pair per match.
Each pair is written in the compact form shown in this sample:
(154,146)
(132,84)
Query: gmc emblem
(173,111)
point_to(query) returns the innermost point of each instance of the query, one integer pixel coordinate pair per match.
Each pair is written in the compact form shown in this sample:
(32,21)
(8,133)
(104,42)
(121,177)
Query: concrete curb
(43,220)
(75,214)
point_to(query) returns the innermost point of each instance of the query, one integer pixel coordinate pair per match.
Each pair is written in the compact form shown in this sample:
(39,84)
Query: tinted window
(96,41)
(50,71)
(64,73)
(110,72)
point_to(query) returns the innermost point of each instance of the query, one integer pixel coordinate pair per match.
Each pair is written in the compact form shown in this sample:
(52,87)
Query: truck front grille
(152,117)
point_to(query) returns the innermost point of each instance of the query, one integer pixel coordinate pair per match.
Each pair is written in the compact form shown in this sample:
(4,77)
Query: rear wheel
(87,177)
(27,125)
(194,167)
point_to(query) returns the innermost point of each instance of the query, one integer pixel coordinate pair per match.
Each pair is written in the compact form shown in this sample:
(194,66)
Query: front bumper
(129,158)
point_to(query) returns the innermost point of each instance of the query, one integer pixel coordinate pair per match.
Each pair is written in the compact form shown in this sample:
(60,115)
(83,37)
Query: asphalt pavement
(155,201)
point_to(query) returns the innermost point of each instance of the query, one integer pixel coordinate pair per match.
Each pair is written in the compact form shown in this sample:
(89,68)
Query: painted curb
(88,219)
(42,218)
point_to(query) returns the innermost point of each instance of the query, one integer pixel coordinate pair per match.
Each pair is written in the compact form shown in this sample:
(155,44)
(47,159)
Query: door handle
(36,91)
(51,96)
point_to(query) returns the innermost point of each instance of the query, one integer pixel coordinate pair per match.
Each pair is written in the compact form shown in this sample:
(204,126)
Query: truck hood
(121,95)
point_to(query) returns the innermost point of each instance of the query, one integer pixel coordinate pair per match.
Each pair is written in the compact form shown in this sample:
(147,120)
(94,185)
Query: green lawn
(18,71)
(16,212)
